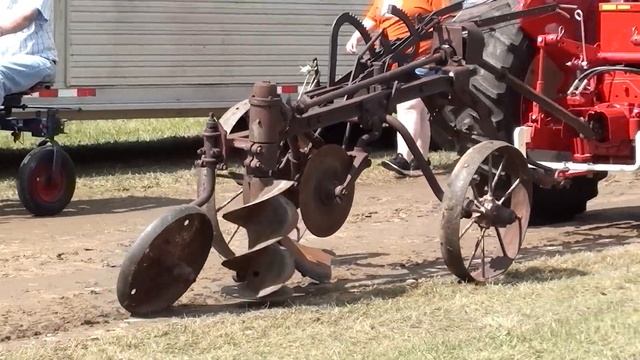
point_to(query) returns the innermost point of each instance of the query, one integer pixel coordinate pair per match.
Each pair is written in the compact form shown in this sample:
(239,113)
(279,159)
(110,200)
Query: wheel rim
(486,213)
(46,185)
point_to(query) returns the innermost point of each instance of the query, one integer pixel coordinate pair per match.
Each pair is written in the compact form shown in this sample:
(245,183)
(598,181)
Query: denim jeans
(21,72)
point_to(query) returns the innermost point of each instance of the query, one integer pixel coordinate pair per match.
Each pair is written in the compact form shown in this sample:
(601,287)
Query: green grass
(111,131)
(580,306)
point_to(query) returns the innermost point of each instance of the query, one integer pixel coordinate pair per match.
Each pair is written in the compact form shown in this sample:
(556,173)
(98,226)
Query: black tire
(508,47)
(557,205)
(41,192)
(505,47)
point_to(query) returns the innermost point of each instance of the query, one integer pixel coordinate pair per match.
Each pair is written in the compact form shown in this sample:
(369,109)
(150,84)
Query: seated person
(27,49)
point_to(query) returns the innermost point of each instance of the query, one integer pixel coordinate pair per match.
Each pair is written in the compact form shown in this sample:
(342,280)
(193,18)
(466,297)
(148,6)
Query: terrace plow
(293,181)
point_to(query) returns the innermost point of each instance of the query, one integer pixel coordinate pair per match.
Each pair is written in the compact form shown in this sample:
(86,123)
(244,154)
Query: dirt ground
(58,275)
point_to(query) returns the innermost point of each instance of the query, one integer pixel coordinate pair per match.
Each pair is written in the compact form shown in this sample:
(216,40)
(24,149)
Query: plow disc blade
(310,262)
(323,211)
(164,261)
(264,269)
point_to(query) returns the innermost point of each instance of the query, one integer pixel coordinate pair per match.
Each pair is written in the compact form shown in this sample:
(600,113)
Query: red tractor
(587,60)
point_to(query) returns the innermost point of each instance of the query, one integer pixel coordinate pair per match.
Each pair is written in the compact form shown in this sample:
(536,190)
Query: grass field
(579,306)
(543,309)
(98,132)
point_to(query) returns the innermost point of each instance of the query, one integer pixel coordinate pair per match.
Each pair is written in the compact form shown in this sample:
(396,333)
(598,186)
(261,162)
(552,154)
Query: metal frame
(289,168)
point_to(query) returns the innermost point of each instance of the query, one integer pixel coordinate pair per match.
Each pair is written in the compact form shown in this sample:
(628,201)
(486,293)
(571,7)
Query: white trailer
(154,58)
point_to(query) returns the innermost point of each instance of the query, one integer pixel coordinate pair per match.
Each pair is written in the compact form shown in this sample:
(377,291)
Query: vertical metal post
(266,132)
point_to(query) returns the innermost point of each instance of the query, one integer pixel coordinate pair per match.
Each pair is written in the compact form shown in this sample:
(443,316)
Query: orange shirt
(394,27)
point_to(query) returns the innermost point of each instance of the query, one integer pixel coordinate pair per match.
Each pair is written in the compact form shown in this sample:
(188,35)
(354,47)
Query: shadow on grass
(535,274)
(11,210)
(124,153)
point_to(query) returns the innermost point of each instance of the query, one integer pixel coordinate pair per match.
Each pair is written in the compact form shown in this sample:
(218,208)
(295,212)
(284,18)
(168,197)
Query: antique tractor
(546,145)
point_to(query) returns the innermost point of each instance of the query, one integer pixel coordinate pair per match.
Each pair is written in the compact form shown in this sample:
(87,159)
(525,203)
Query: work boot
(399,165)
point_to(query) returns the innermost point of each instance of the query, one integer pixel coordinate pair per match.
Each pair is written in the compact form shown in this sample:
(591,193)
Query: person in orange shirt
(412,114)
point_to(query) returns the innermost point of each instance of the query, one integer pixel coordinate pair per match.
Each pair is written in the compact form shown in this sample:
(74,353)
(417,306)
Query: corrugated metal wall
(148,42)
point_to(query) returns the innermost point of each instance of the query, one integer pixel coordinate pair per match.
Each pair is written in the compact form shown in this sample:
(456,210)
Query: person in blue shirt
(27,49)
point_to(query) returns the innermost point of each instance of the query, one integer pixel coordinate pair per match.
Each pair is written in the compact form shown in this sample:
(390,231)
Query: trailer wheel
(508,47)
(43,191)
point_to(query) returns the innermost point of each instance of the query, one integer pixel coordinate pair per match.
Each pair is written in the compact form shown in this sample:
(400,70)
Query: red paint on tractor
(607,93)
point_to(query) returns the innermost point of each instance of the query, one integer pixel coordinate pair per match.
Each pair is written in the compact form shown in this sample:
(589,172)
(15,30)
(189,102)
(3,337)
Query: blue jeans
(21,72)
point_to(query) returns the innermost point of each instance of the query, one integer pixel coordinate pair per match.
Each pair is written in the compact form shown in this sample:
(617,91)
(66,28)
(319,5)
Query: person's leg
(414,116)
(409,114)
(21,72)
(422,134)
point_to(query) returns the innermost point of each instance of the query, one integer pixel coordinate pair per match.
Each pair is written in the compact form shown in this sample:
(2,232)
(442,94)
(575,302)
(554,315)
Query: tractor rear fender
(550,24)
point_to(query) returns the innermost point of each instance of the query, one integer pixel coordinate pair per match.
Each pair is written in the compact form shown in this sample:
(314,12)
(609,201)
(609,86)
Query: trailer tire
(38,197)
(509,48)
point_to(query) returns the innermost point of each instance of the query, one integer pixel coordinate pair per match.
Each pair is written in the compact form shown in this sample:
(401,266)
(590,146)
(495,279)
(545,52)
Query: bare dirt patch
(57,275)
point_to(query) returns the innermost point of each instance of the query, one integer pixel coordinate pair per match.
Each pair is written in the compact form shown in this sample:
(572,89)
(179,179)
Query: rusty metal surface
(496,202)
(417,154)
(219,243)
(266,219)
(229,119)
(323,211)
(318,184)
(164,261)
(264,269)
(311,262)
(265,121)
(266,266)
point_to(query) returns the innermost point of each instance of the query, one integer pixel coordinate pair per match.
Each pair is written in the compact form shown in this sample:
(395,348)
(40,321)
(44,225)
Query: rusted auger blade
(272,256)
(268,215)
(266,266)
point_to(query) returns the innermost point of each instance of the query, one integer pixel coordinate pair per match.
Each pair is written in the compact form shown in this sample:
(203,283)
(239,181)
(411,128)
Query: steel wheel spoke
(490,182)
(466,229)
(501,241)
(484,276)
(235,232)
(226,203)
(508,193)
(475,251)
(495,180)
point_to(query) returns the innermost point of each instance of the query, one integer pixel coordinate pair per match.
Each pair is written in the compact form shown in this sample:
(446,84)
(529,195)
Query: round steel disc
(322,212)
(165,260)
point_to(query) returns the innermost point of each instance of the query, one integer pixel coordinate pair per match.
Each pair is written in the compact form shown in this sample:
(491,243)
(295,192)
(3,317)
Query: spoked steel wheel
(485,211)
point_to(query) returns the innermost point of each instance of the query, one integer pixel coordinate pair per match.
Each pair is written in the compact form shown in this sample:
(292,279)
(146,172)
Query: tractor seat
(15,100)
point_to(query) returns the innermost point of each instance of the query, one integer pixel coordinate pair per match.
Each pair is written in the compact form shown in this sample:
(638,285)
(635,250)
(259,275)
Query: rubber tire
(558,205)
(32,203)
(507,47)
